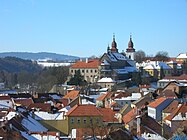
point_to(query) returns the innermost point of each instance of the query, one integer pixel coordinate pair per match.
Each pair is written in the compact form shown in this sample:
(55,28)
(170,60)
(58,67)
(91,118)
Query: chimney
(86,60)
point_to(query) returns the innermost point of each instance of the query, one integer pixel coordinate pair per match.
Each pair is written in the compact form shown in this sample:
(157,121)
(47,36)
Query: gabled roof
(5,98)
(180,109)
(41,106)
(72,94)
(130,115)
(23,101)
(84,110)
(157,102)
(171,107)
(108,115)
(167,93)
(90,64)
(103,96)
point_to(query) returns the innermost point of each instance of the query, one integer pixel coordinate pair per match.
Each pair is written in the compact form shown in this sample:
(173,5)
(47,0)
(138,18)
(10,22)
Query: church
(118,66)
(112,64)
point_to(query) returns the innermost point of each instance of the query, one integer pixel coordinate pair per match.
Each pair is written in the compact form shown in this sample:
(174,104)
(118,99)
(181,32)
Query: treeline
(16,72)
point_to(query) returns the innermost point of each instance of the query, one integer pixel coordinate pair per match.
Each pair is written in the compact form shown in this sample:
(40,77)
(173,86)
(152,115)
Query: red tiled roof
(72,94)
(168,93)
(5,97)
(108,115)
(42,106)
(64,101)
(157,102)
(90,64)
(130,115)
(171,107)
(24,101)
(180,109)
(84,110)
(101,97)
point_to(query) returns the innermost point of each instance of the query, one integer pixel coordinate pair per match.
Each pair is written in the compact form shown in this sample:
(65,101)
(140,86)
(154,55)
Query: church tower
(130,51)
(114,46)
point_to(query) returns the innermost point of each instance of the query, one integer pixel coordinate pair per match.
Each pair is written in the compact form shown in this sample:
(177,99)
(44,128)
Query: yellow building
(155,68)
(83,116)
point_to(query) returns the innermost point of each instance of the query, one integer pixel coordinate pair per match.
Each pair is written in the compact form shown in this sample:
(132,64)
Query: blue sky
(85,27)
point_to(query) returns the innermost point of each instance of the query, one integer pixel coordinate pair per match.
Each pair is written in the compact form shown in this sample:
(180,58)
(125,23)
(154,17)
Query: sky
(85,27)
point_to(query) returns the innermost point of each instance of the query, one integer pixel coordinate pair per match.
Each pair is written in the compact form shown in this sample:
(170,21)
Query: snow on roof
(106,80)
(84,101)
(54,96)
(131,62)
(11,115)
(41,115)
(134,96)
(131,69)
(112,58)
(27,136)
(119,56)
(182,55)
(105,62)
(32,125)
(155,65)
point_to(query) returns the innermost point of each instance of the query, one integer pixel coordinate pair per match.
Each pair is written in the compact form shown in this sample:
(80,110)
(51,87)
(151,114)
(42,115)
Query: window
(97,120)
(91,71)
(84,120)
(71,71)
(72,120)
(95,71)
(82,71)
(91,120)
(86,71)
(78,120)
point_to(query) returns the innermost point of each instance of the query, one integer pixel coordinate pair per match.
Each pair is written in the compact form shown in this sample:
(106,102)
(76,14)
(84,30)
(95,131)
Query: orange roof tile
(108,115)
(157,102)
(130,115)
(90,64)
(84,110)
(72,94)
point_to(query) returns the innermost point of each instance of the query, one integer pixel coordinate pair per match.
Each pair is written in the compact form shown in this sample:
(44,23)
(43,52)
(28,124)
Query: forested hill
(40,55)
(15,65)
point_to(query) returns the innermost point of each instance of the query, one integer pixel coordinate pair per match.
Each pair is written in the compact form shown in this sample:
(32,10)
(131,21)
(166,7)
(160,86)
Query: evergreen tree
(77,79)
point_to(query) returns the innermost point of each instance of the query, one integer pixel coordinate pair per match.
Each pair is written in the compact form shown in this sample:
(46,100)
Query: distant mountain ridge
(39,55)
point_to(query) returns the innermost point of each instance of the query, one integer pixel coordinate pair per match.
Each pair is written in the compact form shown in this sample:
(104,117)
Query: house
(129,119)
(177,117)
(156,107)
(83,116)
(106,82)
(156,69)
(6,102)
(179,88)
(181,57)
(25,102)
(166,80)
(104,100)
(128,100)
(88,69)
(170,108)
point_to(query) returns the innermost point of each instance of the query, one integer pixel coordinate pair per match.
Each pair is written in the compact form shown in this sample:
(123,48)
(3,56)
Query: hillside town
(113,97)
